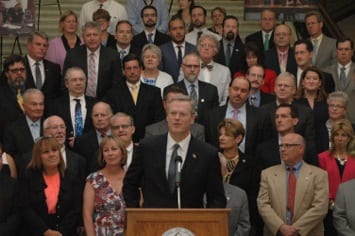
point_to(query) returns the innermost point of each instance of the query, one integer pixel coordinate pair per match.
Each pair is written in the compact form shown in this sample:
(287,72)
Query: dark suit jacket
(110,71)
(61,107)
(148,110)
(140,40)
(36,219)
(329,85)
(271,61)
(237,62)
(201,174)
(169,62)
(207,98)
(265,98)
(257,37)
(218,114)
(52,85)
(111,41)
(9,217)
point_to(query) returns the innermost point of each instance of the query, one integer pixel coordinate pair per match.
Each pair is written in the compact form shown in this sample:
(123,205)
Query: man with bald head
(298,203)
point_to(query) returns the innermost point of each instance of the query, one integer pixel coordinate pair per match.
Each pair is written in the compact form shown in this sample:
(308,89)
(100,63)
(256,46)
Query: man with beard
(173,51)
(231,52)
(198,23)
(255,74)
(205,95)
(150,34)
(12,87)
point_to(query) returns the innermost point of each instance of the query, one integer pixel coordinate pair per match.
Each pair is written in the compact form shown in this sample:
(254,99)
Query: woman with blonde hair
(104,207)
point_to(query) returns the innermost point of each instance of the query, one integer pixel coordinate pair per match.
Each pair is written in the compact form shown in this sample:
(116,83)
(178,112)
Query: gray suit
(344,209)
(326,54)
(349,87)
(239,224)
(161,127)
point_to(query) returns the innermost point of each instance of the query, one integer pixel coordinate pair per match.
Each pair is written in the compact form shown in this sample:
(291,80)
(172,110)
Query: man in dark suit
(161,127)
(281,57)
(20,135)
(231,51)
(155,164)
(236,108)
(141,101)
(101,64)
(205,95)
(255,75)
(264,37)
(87,144)
(12,87)
(41,73)
(150,34)
(73,105)
(170,51)
(303,56)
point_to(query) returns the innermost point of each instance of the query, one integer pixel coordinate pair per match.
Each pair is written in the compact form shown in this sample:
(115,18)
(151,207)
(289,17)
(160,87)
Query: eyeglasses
(116,127)
(335,106)
(17,70)
(282,34)
(55,127)
(256,76)
(288,145)
(192,66)
(205,45)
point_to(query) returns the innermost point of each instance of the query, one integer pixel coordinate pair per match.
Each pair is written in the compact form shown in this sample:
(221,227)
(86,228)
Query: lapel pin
(202,100)
(237,50)
(194,155)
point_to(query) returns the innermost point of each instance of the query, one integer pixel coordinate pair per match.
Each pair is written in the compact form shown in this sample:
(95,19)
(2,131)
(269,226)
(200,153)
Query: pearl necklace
(341,161)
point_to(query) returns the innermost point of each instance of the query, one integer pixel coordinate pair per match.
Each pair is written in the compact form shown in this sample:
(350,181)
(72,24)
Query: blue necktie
(78,118)
(172,169)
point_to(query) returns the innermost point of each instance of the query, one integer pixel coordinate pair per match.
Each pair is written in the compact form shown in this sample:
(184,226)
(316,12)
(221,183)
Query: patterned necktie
(34,131)
(228,53)
(179,57)
(134,92)
(266,42)
(150,38)
(342,77)
(315,50)
(235,114)
(38,76)
(198,36)
(172,169)
(209,67)
(78,118)
(92,76)
(19,99)
(193,95)
(122,54)
(253,100)
(291,191)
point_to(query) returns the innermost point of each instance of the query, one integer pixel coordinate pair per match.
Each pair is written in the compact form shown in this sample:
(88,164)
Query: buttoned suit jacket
(348,89)
(218,114)
(207,97)
(109,71)
(61,107)
(200,174)
(220,77)
(169,62)
(161,127)
(257,37)
(326,54)
(311,200)
(140,40)
(239,223)
(343,214)
(148,110)
(271,61)
(237,59)
(52,86)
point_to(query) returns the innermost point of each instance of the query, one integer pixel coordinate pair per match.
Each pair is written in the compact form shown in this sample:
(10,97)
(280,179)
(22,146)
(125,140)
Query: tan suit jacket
(311,201)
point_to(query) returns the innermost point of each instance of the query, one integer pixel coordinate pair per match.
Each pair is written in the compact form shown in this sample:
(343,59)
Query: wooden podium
(156,222)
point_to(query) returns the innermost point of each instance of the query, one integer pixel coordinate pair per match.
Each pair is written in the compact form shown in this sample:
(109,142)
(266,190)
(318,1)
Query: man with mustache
(231,52)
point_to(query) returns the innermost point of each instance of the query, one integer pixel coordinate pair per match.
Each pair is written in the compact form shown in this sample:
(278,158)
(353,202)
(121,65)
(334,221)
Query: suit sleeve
(244,223)
(9,223)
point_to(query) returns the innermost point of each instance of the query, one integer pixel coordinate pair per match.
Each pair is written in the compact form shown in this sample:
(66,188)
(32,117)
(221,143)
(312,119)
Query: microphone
(178,161)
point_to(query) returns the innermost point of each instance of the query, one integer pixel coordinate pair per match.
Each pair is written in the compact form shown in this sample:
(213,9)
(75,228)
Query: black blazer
(271,61)
(140,40)
(207,98)
(237,62)
(9,200)
(265,98)
(61,107)
(36,219)
(218,114)
(257,37)
(148,110)
(52,86)
(111,41)
(200,175)
(110,71)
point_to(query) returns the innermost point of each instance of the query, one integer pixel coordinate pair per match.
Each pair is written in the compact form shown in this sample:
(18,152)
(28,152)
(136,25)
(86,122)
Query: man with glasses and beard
(231,52)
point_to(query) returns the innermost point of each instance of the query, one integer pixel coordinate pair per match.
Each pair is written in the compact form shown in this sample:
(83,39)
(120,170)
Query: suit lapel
(303,180)
(349,77)
(29,77)
(190,161)
(280,188)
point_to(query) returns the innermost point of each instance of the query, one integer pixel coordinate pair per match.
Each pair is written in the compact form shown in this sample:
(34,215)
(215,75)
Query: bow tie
(209,67)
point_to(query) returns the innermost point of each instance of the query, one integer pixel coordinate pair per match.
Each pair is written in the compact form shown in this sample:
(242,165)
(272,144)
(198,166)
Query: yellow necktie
(20,99)
(134,93)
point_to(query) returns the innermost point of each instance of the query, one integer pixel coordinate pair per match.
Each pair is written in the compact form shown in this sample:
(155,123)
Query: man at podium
(154,170)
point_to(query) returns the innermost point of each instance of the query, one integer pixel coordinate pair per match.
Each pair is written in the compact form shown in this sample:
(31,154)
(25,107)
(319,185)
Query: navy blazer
(200,175)
(110,71)
(169,62)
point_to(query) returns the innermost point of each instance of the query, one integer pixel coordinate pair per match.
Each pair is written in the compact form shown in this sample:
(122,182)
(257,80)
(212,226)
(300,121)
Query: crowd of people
(94,122)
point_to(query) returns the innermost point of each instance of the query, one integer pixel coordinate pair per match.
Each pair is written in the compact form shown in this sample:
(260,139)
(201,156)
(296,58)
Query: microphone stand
(178,161)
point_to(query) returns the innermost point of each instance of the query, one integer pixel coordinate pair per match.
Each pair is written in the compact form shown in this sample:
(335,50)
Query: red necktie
(291,191)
